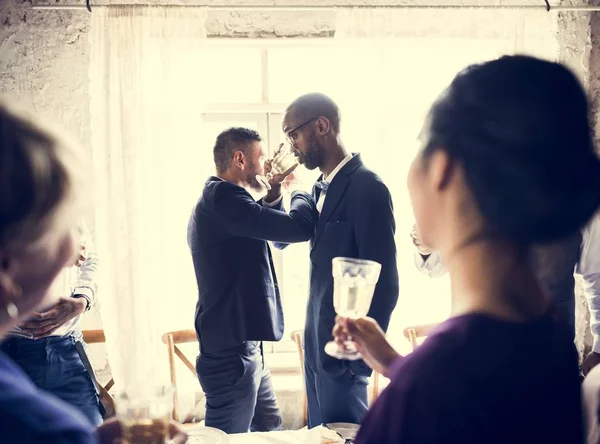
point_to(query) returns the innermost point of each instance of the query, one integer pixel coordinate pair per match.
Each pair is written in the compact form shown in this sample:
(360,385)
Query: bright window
(384,93)
(234,74)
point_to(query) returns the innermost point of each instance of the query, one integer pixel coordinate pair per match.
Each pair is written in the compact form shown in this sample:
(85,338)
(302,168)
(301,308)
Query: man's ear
(323,126)
(239,160)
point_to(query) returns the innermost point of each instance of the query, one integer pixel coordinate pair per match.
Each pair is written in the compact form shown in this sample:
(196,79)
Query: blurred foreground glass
(145,416)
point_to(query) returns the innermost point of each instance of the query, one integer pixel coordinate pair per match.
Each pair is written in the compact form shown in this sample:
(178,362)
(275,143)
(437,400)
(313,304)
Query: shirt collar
(337,169)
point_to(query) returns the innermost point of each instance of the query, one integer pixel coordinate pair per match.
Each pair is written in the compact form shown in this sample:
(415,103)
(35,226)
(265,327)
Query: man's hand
(423,249)
(44,324)
(591,361)
(277,179)
(369,339)
(80,257)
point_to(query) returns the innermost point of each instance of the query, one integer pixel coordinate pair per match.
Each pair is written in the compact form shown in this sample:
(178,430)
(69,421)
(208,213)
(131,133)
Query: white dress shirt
(70,281)
(588,268)
(431,265)
(329,178)
(590,395)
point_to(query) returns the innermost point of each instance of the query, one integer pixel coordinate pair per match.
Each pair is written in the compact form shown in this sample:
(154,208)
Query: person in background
(554,265)
(239,304)
(49,345)
(356,219)
(590,392)
(507,162)
(588,268)
(39,186)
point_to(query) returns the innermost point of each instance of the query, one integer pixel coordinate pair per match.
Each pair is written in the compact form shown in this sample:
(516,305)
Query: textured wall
(44,63)
(579,48)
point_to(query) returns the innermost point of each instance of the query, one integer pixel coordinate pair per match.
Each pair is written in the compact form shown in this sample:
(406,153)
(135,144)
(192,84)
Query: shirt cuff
(88,293)
(275,203)
(596,344)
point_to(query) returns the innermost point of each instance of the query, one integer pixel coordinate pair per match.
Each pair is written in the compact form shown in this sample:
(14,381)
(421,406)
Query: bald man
(355,220)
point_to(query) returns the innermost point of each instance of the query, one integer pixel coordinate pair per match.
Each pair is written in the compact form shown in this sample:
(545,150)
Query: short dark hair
(316,105)
(519,126)
(230,141)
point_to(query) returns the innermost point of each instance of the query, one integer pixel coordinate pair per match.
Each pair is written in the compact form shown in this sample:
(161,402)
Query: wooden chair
(297,338)
(172,339)
(418,331)
(97,337)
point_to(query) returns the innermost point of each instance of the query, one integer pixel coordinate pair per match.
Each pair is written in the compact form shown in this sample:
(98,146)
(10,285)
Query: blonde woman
(37,209)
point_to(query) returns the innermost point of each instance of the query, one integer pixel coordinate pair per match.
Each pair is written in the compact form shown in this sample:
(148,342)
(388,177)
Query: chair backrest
(93,336)
(418,331)
(173,338)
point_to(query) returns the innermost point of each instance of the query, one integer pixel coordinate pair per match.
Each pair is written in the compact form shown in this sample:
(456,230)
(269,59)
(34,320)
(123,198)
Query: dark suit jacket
(238,293)
(357,221)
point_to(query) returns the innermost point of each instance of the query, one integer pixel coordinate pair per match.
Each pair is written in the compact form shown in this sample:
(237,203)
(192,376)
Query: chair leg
(413,338)
(171,348)
(375,392)
(305,412)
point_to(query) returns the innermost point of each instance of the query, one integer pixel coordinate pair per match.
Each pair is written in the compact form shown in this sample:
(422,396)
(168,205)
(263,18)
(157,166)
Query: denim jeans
(54,365)
(239,393)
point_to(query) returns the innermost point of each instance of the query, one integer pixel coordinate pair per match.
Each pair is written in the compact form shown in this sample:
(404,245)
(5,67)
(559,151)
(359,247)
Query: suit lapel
(334,194)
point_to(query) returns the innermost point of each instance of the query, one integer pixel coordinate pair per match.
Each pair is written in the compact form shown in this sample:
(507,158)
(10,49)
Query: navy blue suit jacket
(357,220)
(239,297)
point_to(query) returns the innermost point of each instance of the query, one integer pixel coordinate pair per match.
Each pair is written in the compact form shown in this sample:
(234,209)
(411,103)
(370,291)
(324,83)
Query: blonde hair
(38,175)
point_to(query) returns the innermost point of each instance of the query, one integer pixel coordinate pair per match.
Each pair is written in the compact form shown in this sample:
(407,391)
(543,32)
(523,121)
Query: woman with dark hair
(508,161)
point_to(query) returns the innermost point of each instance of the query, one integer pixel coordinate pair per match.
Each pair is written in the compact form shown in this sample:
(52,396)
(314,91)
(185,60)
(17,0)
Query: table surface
(302,436)
(285,437)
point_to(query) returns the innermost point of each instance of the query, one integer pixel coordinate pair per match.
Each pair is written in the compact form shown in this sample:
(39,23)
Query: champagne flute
(354,282)
(285,158)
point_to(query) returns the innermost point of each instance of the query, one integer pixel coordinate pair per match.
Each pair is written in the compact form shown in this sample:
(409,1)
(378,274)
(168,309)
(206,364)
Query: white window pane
(231,75)
(294,284)
(299,70)
(214,124)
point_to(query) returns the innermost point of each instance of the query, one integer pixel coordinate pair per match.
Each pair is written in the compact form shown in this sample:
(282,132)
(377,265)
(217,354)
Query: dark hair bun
(520,127)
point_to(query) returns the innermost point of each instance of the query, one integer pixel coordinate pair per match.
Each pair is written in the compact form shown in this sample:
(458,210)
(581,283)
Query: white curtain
(146,80)
(403,59)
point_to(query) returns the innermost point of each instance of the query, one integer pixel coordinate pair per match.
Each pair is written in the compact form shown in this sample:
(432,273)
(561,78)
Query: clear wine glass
(354,282)
(285,158)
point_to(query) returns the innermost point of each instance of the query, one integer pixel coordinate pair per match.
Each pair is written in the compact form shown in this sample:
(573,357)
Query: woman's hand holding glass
(369,340)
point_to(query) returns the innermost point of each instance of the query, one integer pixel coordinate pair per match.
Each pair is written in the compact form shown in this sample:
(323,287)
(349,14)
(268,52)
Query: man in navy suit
(239,305)
(356,220)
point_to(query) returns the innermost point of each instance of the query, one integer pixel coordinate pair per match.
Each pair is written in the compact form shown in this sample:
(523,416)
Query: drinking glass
(285,158)
(354,282)
(145,415)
